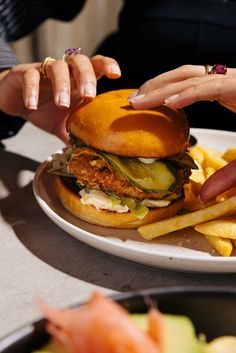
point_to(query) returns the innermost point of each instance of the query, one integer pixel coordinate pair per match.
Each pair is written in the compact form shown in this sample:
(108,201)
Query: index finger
(220,89)
(104,65)
(180,74)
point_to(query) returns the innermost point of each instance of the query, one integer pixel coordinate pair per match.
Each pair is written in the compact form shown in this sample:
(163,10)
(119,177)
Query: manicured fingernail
(134,94)
(89,89)
(171,99)
(136,98)
(115,70)
(64,98)
(32,102)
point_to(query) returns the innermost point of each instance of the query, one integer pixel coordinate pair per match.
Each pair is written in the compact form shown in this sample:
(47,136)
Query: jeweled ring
(70,51)
(43,67)
(215,69)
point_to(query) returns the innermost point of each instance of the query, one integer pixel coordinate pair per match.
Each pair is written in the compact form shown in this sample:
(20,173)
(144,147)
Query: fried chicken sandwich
(125,167)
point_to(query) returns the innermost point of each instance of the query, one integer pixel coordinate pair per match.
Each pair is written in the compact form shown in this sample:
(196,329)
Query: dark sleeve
(23,17)
(7,56)
(9,125)
(65,10)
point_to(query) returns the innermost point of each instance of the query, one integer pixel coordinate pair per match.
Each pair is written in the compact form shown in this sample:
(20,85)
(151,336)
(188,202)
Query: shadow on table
(61,251)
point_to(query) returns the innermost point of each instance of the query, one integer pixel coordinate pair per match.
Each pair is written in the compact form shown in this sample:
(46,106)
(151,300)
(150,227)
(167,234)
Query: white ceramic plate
(184,250)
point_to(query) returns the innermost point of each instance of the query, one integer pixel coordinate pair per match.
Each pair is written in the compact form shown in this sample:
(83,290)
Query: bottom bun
(105,218)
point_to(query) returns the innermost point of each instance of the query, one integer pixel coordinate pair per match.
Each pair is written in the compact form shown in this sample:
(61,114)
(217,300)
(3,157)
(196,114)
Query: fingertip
(134,94)
(89,90)
(114,71)
(200,198)
(32,102)
(133,98)
(88,99)
(114,75)
(171,99)
(62,99)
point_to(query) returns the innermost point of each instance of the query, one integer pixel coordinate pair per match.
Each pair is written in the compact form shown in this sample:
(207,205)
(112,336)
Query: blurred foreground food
(103,326)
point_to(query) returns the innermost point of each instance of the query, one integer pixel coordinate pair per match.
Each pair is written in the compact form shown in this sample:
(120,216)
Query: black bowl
(212,310)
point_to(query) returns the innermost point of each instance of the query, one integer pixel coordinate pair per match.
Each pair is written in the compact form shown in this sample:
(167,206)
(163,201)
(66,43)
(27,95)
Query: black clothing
(21,17)
(154,36)
(159,35)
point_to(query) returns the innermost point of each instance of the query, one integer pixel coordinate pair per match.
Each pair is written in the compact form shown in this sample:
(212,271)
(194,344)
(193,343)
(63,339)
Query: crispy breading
(94,171)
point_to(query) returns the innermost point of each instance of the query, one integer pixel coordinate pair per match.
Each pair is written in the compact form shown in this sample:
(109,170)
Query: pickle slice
(155,177)
(184,159)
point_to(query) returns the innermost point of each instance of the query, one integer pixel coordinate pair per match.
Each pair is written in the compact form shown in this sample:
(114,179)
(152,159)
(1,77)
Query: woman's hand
(186,85)
(46,102)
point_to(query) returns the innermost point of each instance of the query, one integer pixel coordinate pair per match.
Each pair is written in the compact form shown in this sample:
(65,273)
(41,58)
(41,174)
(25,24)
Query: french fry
(198,154)
(157,229)
(191,200)
(197,176)
(224,247)
(209,171)
(229,193)
(230,154)
(218,228)
(214,160)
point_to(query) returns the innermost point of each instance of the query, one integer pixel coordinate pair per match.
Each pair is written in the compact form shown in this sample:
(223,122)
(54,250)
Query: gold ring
(215,69)
(43,67)
(208,70)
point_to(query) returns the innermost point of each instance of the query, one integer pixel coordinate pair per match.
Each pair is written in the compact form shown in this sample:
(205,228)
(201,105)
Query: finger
(30,88)
(181,73)
(104,65)
(219,89)
(219,182)
(62,134)
(159,96)
(84,75)
(58,73)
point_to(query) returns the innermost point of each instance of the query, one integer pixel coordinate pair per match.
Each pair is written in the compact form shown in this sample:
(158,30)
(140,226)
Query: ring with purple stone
(215,69)
(70,51)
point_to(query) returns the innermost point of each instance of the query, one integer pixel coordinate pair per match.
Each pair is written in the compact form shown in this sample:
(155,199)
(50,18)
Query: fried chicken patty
(93,171)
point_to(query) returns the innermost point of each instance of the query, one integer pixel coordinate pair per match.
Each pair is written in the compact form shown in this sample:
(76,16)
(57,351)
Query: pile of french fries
(215,220)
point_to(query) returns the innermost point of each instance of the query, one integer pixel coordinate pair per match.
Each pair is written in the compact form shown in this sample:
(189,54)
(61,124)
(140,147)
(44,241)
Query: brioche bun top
(109,123)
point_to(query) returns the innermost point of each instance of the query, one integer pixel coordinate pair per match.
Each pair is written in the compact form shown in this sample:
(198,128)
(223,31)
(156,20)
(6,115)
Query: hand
(222,180)
(185,85)
(47,102)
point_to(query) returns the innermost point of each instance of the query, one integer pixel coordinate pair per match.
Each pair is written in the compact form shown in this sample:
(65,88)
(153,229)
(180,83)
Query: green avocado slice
(155,177)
